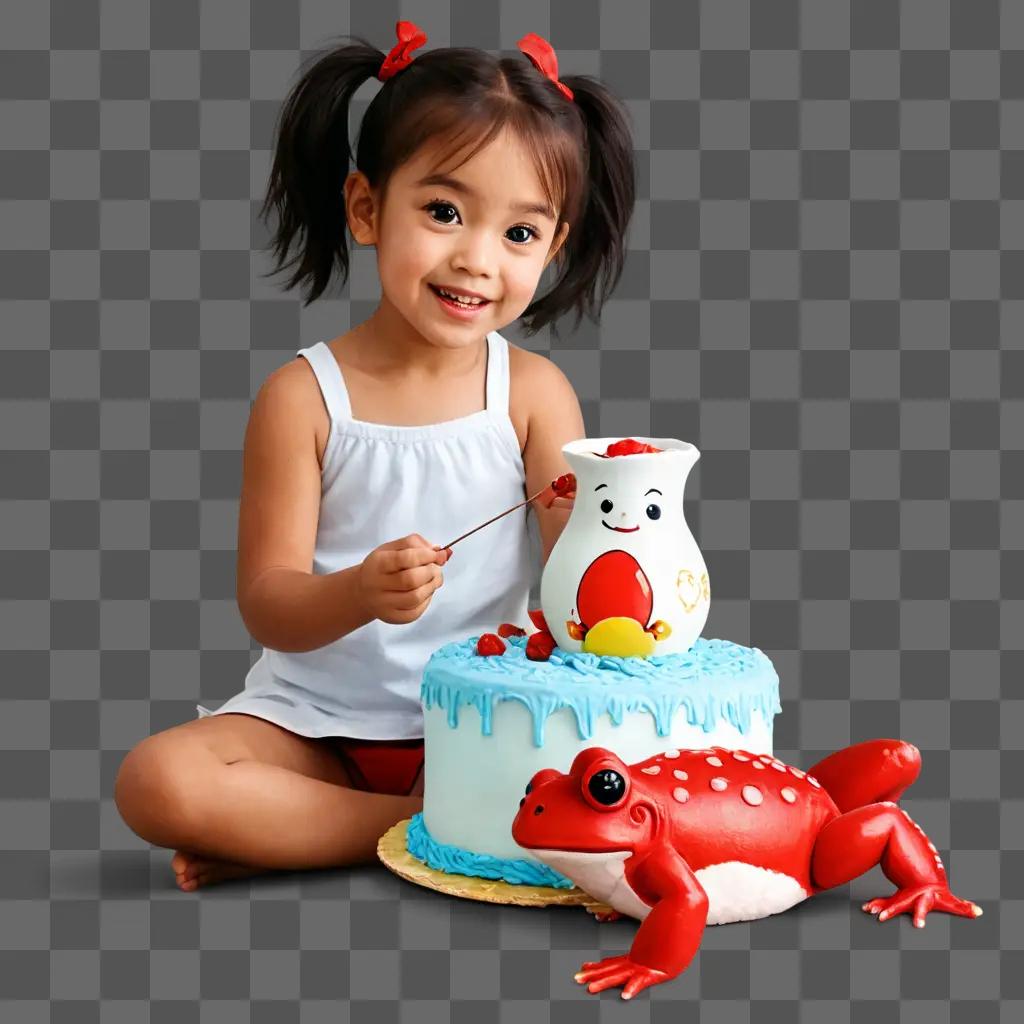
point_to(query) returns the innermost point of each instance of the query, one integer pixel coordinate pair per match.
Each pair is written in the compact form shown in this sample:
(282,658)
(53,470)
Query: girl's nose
(475,254)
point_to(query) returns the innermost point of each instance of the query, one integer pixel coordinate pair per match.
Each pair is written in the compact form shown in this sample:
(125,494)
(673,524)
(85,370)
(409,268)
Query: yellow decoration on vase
(688,590)
(619,637)
(660,629)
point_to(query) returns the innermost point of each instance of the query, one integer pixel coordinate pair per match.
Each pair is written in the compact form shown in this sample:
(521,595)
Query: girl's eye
(530,233)
(437,205)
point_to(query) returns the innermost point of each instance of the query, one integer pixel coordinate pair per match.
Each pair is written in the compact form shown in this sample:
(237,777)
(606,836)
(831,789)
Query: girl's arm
(555,419)
(284,605)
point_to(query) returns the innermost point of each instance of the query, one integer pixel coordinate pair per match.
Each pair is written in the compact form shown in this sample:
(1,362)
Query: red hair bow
(410,37)
(543,58)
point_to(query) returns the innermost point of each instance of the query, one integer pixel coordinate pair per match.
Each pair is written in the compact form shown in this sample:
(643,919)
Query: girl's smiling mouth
(459,310)
(621,529)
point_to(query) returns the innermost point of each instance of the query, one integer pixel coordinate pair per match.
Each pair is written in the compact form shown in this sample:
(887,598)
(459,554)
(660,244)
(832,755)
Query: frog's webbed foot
(919,901)
(598,975)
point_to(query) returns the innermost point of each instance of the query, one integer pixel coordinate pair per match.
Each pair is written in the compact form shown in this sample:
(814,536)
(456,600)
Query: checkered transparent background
(825,292)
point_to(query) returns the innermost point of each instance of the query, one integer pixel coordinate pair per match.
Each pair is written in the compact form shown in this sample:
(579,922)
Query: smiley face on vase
(616,582)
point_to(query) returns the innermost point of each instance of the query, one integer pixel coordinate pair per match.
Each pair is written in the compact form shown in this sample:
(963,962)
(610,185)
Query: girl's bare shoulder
(291,394)
(538,390)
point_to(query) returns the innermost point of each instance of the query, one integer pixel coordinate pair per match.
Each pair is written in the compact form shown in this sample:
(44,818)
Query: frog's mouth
(620,529)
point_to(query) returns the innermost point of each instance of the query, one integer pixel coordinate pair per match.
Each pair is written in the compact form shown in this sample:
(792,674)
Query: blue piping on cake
(456,861)
(713,680)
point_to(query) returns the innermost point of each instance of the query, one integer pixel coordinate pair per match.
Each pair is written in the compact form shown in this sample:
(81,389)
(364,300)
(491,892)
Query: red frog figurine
(694,837)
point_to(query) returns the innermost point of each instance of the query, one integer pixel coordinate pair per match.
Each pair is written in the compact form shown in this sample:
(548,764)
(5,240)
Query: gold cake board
(391,848)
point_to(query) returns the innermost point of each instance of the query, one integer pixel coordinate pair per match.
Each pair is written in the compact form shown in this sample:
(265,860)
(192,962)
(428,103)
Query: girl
(472,174)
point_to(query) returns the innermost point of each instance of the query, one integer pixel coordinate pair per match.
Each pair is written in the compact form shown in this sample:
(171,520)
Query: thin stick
(498,516)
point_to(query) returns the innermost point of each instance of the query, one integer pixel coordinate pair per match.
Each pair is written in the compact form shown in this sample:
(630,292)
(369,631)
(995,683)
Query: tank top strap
(497,374)
(329,377)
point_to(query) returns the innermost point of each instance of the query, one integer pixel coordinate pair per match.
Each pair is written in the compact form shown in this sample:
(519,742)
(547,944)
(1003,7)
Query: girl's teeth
(462,301)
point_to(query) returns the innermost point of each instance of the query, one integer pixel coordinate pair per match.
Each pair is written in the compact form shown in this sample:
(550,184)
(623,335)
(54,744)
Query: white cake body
(474,782)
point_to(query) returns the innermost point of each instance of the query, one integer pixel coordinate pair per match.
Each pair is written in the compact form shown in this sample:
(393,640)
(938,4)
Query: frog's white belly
(736,891)
(600,875)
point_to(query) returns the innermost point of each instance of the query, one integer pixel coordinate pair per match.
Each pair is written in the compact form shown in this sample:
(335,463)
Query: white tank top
(378,483)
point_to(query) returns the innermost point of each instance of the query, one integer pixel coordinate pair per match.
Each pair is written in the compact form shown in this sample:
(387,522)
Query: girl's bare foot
(192,870)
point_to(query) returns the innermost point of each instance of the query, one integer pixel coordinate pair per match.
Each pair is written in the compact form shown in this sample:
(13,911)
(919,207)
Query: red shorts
(381,766)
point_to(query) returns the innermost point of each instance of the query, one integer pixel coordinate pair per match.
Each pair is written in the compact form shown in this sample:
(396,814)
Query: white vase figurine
(626,576)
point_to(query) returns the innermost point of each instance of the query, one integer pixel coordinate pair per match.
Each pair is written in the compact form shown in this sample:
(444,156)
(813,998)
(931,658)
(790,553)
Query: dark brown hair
(583,148)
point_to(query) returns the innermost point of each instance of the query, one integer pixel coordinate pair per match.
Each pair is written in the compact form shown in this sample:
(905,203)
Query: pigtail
(311,161)
(594,253)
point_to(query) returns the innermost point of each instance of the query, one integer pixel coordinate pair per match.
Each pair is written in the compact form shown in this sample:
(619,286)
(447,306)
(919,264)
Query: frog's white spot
(654,769)
(766,758)
(680,774)
(680,794)
(715,762)
(752,795)
(718,783)
(739,756)
(779,767)
(743,892)
(788,794)
(758,765)
(797,772)
(671,753)
(814,782)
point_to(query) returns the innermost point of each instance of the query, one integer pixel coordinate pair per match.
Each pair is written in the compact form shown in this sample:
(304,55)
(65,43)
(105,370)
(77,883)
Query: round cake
(491,722)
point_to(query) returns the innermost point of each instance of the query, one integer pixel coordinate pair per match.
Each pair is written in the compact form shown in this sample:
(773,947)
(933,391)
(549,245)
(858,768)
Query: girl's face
(482,231)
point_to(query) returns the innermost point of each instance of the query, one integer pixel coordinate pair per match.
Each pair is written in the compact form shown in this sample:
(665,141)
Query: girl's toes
(187,869)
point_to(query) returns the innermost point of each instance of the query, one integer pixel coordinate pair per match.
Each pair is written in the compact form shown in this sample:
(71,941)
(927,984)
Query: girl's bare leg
(234,793)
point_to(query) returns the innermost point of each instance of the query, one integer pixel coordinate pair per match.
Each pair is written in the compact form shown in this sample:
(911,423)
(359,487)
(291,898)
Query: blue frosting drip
(713,680)
(456,861)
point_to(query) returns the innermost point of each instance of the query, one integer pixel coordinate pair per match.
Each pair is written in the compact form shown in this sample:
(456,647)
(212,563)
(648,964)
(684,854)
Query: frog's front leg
(670,934)
(884,834)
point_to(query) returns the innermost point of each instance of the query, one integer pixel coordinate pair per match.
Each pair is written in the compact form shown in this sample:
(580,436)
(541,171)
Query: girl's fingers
(409,558)
(412,540)
(410,579)
(420,596)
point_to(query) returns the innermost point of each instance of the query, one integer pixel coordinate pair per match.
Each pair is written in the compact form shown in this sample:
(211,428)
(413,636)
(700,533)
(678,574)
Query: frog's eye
(606,788)
(653,511)
(606,506)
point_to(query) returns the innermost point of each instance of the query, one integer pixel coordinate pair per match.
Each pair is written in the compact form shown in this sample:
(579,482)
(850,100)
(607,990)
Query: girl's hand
(398,579)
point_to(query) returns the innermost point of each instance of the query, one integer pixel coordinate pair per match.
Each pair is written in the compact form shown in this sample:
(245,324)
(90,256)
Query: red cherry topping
(490,643)
(507,629)
(540,645)
(565,484)
(629,446)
